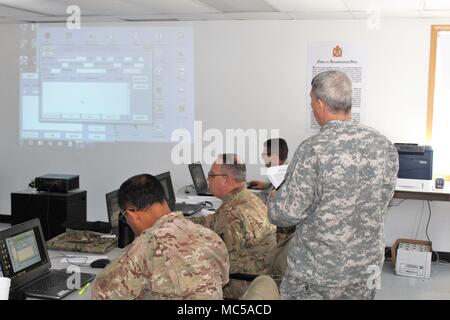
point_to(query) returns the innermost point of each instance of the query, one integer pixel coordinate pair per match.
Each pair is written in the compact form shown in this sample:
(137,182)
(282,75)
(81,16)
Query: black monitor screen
(166,182)
(112,204)
(198,177)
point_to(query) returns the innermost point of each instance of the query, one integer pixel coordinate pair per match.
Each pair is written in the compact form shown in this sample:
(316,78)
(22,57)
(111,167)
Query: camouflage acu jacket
(242,223)
(336,191)
(173,259)
(282,233)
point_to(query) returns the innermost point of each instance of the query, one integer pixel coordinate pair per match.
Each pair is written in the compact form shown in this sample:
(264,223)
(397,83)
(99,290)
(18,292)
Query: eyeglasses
(124,213)
(212,174)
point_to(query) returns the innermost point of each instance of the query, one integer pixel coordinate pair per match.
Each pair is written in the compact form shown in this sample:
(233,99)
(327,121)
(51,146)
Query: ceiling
(14,11)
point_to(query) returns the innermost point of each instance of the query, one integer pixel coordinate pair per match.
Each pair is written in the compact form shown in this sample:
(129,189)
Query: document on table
(82,259)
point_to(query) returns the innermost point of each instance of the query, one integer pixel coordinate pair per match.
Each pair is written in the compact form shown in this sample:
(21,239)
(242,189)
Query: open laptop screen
(112,205)
(166,182)
(23,251)
(198,176)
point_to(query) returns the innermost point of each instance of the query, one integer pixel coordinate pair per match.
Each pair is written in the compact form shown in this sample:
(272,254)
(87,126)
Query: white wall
(249,74)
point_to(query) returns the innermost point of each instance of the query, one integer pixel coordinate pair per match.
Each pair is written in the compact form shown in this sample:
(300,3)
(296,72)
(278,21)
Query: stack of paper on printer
(275,174)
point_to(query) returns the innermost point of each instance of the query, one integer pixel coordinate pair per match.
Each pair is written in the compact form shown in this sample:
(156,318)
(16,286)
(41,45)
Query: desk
(56,256)
(192,197)
(429,195)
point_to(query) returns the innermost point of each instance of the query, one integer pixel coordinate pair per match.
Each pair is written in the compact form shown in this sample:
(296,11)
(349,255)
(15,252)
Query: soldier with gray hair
(241,221)
(336,192)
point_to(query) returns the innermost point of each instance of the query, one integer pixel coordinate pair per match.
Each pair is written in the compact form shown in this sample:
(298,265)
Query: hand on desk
(257,185)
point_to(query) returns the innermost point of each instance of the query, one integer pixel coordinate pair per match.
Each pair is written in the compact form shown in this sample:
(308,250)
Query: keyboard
(51,281)
(54,285)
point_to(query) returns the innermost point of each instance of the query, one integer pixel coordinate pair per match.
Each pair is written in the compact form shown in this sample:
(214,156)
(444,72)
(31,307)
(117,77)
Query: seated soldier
(241,220)
(171,257)
(275,153)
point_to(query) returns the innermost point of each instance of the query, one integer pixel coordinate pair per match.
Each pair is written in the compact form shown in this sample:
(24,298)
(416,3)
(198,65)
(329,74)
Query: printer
(415,166)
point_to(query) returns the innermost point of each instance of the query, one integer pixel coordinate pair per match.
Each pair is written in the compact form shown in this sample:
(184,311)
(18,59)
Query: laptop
(198,177)
(187,208)
(24,259)
(112,205)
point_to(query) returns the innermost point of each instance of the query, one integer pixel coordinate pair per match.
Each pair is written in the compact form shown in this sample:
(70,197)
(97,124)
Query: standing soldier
(336,191)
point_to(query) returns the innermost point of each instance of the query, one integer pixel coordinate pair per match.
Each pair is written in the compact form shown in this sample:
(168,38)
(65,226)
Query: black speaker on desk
(54,210)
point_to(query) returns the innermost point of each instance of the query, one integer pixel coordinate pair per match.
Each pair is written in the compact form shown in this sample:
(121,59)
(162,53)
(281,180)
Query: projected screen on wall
(105,84)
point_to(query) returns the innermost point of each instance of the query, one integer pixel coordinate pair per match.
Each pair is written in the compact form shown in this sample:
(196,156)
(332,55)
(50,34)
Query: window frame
(435,29)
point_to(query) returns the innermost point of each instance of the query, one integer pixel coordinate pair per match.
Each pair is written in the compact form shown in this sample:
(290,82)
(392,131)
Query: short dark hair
(233,166)
(280,144)
(140,191)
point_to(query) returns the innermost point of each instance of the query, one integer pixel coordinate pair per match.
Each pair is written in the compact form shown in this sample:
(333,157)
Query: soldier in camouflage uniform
(275,153)
(171,257)
(336,191)
(241,221)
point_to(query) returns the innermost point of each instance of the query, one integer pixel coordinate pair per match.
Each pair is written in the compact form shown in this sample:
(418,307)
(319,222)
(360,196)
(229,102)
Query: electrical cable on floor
(386,252)
(438,261)
(420,221)
(428,222)
(426,232)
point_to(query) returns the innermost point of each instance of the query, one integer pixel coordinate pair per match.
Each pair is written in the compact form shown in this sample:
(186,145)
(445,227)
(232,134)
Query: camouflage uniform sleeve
(390,177)
(206,221)
(290,204)
(264,195)
(227,226)
(125,277)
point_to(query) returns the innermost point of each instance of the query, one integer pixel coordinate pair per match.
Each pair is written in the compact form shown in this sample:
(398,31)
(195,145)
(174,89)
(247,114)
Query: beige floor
(394,287)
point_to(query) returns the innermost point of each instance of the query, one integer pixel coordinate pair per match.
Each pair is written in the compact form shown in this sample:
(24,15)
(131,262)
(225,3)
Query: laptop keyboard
(53,280)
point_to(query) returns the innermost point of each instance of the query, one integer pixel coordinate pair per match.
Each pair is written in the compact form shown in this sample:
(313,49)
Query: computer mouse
(100,263)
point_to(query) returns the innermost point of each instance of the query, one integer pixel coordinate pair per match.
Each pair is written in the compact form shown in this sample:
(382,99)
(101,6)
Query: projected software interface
(106,83)
(23,250)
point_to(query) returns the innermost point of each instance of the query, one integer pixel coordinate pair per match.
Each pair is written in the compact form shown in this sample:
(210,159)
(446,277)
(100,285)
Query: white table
(57,255)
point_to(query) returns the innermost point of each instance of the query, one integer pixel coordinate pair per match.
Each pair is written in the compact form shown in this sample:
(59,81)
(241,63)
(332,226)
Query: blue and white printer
(415,167)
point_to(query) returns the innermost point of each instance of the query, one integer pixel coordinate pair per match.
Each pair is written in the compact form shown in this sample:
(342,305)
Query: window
(438,120)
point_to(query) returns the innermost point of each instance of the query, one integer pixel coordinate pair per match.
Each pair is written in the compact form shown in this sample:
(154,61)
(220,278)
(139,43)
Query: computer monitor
(166,182)
(24,259)
(112,205)
(23,252)
(198,177)
(187,208)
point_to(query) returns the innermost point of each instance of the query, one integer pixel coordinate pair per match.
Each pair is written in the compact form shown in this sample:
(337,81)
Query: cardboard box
(412,258)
